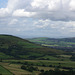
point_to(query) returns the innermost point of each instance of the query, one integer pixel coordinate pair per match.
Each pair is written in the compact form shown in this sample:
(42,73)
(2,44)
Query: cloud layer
(48,18)
(62,10)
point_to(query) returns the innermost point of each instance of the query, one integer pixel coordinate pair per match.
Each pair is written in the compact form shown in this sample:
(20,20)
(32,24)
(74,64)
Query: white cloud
(13,21)
(62,10)
(59,25)
(4,12)
(23,13)
(50,5)
(12,5)
(72,5)
(45,17)
(41,23)
(46,9)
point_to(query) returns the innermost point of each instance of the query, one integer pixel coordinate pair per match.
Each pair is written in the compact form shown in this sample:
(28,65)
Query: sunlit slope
(15,47)
(66,44)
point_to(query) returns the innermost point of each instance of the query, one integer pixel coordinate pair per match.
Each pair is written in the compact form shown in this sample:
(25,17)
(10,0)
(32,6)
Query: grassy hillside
(15,47)
(67,44)
(4,71)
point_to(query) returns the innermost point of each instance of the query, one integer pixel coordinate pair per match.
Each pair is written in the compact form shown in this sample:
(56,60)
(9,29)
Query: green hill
(18,48)
(66,44)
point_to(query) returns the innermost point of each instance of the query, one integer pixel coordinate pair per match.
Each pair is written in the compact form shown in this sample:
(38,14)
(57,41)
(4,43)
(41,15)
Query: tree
(0,60)
(72,58)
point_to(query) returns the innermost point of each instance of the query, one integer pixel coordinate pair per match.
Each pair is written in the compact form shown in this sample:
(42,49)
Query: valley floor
(14,66)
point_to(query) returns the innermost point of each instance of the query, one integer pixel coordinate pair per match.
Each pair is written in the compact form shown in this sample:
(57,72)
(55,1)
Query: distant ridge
(67,44)
(15,47)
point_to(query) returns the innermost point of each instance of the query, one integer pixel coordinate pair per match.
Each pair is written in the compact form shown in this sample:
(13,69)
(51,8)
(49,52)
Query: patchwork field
(66,44)
(43,62)
(14,66)
(33,59)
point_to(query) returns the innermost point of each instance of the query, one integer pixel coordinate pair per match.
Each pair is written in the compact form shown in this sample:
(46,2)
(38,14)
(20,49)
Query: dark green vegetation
(14,47)
(44,63)
(4,71)
(72,58)
(21,56)
(29,68)
(36,67)
(58,72)
(66,44)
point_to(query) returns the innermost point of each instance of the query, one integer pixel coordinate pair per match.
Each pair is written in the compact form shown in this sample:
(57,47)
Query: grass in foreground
(4,71)
(15,69)
(15,65)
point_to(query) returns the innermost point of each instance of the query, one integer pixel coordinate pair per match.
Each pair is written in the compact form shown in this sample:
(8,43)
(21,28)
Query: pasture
(4,71)
(14,66)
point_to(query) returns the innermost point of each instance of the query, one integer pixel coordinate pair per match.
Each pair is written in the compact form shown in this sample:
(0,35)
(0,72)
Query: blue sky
(3,3)
(38,18)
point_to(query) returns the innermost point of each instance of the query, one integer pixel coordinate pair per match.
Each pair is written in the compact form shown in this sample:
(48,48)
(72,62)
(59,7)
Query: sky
(38,18)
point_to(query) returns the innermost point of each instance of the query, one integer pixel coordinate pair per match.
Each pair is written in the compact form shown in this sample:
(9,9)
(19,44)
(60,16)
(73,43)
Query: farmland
(22,57)
(43,62)
(14,66)
(66,44)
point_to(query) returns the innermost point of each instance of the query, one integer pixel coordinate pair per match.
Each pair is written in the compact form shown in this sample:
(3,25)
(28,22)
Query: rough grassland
(14,66)
(45,62)
(4,71)
(15,69)
(18,48)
